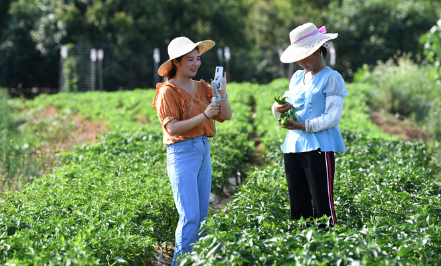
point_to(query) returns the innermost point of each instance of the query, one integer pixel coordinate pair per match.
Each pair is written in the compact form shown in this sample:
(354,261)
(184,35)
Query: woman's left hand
(293,125)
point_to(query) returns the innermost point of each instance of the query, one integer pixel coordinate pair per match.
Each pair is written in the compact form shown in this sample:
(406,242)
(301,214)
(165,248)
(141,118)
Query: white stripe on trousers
(329,189)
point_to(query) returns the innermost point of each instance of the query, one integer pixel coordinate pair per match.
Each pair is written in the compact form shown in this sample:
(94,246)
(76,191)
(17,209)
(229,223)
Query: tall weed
(404,88)
(16,167)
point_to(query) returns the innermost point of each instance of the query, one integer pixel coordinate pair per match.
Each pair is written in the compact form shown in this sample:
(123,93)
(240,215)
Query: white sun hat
(305,40)
(181,46)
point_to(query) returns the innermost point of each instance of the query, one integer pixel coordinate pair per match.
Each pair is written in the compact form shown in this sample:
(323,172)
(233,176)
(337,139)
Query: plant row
(387,200)
(111,201)
(388,211)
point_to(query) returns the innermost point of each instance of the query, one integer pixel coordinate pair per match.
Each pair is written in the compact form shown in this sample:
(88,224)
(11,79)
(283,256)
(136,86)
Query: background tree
(432,48)
(33,32)
(268,26)
(376,29)
(4,8)
(22,64)
(131,30)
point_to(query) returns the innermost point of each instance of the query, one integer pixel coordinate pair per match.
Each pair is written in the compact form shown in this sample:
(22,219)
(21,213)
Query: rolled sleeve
(166,106)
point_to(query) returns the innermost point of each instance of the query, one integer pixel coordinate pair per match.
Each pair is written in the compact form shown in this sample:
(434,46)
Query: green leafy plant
(404,89)
(283,118)
(432,48)
(16,167)
(70,71)
(280,99)
(111,201)
(382,189)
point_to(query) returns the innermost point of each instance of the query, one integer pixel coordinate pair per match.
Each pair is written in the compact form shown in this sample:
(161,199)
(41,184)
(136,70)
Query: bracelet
(224,99)
(205,115)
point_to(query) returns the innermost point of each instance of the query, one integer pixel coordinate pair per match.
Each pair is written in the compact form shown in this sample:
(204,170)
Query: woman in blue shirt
(316,93)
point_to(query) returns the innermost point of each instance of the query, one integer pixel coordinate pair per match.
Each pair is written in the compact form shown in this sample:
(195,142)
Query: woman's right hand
(282,108)
(212,110)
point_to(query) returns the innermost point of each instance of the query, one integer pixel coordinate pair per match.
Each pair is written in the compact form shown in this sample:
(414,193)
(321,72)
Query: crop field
(111,203)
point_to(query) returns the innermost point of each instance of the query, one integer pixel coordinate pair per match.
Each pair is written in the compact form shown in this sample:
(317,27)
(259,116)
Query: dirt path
(398,126)
(61,134)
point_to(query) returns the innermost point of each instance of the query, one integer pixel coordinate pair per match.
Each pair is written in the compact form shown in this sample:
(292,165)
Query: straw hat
(181,46)
(305,40)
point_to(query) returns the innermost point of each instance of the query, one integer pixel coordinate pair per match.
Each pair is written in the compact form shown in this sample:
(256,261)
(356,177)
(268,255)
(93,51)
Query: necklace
(312,75)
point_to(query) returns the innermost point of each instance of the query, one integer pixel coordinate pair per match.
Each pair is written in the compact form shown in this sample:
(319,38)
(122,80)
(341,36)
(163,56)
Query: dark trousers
(310,178)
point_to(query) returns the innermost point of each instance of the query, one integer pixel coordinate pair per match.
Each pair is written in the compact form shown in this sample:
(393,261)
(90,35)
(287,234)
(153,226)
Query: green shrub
(377,29)
(112,204)
(121,110)
(385,196)
(432,48)
(387,205)
(112,201)
(405,88)
(16,167)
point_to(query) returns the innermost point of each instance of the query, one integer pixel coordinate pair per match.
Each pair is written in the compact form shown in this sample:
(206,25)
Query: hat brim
(203,46)
(296,53)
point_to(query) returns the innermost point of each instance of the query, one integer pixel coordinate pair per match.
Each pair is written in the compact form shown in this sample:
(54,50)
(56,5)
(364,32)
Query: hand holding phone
(216,84)
(218,76)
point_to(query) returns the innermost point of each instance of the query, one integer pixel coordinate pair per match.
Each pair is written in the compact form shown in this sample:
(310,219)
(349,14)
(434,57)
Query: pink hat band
(321,30)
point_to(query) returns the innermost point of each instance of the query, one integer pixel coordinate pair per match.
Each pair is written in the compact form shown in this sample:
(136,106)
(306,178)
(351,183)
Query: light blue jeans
(189,170)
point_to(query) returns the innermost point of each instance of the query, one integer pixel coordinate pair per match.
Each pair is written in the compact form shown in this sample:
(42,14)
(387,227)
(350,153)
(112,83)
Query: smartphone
(218,73)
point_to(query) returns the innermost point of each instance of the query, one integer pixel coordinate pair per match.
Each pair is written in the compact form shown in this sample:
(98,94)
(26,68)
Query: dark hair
(323,51)
(172,72)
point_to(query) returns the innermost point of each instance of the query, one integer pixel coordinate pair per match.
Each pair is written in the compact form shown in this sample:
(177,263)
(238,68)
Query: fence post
(290,70)
(220,56)
(100,68)
(282,66)
(332,54)
(156,58)
(227,55)
(92,68)
(63,56)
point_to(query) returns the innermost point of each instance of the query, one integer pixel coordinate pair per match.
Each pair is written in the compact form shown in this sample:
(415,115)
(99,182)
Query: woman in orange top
(186,114)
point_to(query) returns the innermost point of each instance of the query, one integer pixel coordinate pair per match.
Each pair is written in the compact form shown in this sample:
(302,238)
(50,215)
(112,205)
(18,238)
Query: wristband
(205,115)
(224,99)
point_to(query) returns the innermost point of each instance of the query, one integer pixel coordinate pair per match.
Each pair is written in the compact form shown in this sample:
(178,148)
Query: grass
(16,165)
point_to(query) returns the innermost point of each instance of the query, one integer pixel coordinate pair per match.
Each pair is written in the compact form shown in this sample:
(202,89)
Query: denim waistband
(201,138)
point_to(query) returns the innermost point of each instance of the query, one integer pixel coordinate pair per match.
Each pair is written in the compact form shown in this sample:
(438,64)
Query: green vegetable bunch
(283,118)
(280,99)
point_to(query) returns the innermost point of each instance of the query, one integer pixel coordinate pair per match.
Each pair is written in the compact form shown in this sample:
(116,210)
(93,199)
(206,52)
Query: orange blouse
(173,102)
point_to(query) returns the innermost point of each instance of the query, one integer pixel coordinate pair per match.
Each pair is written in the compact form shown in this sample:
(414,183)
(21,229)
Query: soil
(399,126)
(87,131)
(142,119)
(71,131)
(84,130)
(256,157)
